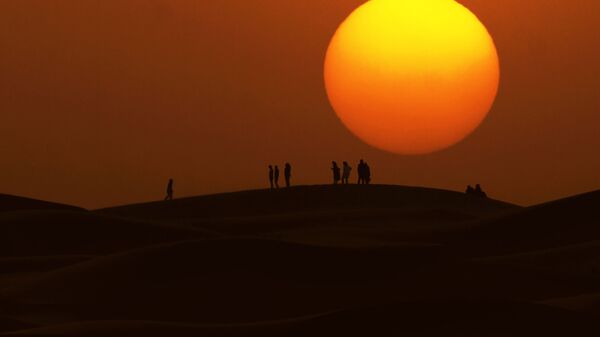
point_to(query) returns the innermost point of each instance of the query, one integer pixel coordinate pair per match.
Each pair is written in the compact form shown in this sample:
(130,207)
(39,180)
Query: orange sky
(101,101)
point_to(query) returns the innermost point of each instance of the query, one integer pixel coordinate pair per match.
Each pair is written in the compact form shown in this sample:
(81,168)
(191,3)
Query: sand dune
(580,259)
(244,280)
(223,280)
(438,318)
(39,263)
(14,203)
(79,232)
(552,225)
(309,261)
(586,303)
(330,215)
(12,324)
(311,199)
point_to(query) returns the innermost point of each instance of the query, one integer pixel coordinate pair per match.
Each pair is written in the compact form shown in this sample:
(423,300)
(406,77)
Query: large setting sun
(412,76)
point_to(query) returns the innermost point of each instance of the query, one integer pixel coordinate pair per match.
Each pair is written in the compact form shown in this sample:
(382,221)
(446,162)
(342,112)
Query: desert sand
(306,261)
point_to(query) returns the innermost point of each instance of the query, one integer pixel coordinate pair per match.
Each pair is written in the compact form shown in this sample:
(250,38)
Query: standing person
(169,190)
(271,175)
(361,172)
(479,191)
(276,176)
(346,173)
(287,173)
(336,172)
(367,174)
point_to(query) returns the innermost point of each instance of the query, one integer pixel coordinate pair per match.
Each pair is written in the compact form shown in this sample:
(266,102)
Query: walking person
(346,169)
(336,172)
(169,190)
(271,176)
(276,176)
(367,174)
(287,173)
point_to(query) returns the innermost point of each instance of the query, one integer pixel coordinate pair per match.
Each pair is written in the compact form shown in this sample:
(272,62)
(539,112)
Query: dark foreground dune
(309,261)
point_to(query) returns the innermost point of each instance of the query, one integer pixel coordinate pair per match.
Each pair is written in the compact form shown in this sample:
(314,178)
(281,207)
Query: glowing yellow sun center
(412,76)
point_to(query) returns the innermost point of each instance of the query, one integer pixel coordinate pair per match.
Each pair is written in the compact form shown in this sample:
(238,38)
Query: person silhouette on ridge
(367,174)
(276,176)
(346,169)
(336,172)
(271,176)
(287,174)
(479,192)
(169,190)
(361,172)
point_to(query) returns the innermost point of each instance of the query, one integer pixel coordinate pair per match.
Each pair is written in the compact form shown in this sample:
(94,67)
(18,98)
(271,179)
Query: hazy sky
(101,101)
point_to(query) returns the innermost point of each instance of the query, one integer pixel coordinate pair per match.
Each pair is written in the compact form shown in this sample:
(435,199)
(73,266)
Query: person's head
(276,167)
(362,161)
(271,166)
(345,163)
(478,186)
(171,180)
(288,165)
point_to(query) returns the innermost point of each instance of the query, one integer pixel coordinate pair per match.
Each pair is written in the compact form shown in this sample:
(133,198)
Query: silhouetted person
(336,172)
(346,169)
(470,190)
(287,174)
(367,174)
(361,172)
(271,176)
(479,192)
(169,190)
(276,176)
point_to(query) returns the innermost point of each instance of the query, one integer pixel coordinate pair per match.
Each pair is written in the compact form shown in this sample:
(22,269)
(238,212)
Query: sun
(412,76)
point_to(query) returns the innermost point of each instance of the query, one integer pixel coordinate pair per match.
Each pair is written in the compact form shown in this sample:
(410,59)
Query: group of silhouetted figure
(343,174)
(476,192)
(339,174)
(274,175)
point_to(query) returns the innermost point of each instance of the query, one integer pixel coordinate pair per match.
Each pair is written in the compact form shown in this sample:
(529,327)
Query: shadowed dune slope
(582,259)
(11,324)
(304,199)
(585,303)
(79,232)
(246,280)
(556,224)
(339,227)
(14,203)
(38,264)
(220,280)
(429,318)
